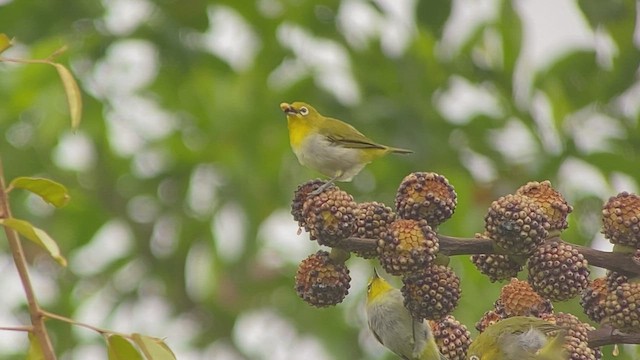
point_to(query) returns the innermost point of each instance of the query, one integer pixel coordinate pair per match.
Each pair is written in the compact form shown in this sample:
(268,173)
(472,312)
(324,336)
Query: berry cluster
(524,228)
(452,337)
(615,298)
(406,241)
(518,298)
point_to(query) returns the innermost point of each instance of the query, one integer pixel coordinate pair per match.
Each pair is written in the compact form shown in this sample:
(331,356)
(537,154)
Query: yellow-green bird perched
(519,338)
(393,325)
(329,146)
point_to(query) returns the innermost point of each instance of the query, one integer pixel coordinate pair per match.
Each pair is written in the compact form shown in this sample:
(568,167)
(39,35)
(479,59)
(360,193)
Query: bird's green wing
(345,135)
(554,349)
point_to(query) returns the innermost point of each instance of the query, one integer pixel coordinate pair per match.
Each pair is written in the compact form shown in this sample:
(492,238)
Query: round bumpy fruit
(432,293)
(517,298)
(552,203)
(329,217)
(593,299)
(488,318)
(621,220)
(576,336)
(452,337)
(516,224)
(615,279)
(496,266)
(321,281)
(426,196)
(302,193)
(372,222)
(410,245)
(557,271)
(622,306)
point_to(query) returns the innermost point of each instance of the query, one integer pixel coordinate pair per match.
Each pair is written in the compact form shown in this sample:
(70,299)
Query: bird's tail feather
(399,150)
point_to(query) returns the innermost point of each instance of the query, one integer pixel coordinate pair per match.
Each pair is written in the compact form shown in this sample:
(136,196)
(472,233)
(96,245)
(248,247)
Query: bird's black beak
(288,109)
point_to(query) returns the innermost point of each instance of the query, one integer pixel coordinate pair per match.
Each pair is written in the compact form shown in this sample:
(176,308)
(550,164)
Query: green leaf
(38,236)
(35,351)
(153,348)
(74,98)
(50,191)
(5,42)
(119,348)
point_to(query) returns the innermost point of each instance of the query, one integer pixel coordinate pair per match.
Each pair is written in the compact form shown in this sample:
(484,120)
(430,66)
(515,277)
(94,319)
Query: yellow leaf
(74,98)
(50,191)
(5,42)
(120,348)
(38,236)
(153,348)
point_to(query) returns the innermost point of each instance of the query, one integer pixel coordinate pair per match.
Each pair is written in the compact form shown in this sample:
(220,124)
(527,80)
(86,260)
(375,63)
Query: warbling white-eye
(519,338)
(394,327)
(330,146)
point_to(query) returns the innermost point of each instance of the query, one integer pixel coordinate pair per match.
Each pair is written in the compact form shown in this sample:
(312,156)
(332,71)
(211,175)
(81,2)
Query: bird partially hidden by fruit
(393,326)
(519,338)
(330,146)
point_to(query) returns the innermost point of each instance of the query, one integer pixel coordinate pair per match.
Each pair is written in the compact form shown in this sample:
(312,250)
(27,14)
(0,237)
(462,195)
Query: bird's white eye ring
(304,110)
(473,357)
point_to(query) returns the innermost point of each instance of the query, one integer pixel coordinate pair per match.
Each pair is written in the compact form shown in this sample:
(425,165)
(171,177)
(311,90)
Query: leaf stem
(37,320)
(70,321)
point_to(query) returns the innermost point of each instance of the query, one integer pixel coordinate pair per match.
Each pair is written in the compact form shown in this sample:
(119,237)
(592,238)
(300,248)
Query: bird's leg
(329,182)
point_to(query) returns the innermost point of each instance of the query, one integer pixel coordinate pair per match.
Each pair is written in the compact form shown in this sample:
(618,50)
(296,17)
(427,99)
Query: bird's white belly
(318,153)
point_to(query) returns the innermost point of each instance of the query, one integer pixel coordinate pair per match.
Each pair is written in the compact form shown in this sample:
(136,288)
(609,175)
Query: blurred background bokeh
(181,174)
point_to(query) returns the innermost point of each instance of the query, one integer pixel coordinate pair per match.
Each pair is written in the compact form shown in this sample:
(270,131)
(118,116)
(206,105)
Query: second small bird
(394,327)
(330,146)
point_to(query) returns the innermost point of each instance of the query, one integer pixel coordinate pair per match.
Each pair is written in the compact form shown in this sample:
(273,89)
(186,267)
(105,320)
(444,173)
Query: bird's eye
(473,357)
(304,111)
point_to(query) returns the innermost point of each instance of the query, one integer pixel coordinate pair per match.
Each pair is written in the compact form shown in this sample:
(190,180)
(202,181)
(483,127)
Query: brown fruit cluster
(426,196)
(557,271)
(552,203)
(488,318)
(516,224)
(452,337)
(496,266)
(621,220)
(517,298)
(301,195)
(576,336)
(321,281)
(622,307)
(593,299)
(409,246)
(432,293)
(372,222)
(615,279)
(329,217)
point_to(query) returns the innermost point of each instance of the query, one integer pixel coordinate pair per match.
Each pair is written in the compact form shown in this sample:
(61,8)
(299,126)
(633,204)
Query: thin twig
(97,329)
(16,328)
(47,60)
(37,320)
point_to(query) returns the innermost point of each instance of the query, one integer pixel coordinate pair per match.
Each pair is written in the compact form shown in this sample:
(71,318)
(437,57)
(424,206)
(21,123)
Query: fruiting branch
(452,246)
(521,229)
(606,335)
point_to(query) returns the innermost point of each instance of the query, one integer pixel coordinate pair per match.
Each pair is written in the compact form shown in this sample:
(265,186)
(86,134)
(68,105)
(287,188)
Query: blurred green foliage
(179,141)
